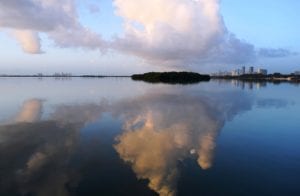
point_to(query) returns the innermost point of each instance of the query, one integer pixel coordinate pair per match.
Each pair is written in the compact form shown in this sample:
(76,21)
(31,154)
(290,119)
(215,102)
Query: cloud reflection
(162,129)
(79,114)
(31,111)
(36,158)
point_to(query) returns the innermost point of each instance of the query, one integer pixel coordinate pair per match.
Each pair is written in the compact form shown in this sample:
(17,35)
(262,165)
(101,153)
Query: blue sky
(264,22)
(197,40)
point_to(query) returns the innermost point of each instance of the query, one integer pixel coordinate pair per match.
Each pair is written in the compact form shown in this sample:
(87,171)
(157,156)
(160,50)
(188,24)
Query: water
(114,136)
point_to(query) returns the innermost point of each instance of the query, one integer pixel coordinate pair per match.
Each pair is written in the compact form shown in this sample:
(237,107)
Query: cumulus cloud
(178,31)
(57,18)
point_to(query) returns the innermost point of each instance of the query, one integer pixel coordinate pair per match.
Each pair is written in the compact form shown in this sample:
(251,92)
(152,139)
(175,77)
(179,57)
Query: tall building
(243,70)
(251,70)
(262,71)
(297,73)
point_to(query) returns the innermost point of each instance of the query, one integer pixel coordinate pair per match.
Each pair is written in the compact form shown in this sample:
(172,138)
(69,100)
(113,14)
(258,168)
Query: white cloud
(171,32)
(178,31)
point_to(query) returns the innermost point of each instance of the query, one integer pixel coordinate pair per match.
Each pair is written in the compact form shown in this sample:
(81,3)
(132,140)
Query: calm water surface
(115,136)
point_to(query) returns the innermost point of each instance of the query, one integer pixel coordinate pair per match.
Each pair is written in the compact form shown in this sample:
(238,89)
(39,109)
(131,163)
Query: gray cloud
(33,15)
(57,18)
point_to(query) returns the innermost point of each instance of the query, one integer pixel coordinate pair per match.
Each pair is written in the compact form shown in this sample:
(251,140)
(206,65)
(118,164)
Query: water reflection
(31,111)
(80,114)
(34,158)
(273,103)
(162,129)
(37,153)
(253,84)
(71,147)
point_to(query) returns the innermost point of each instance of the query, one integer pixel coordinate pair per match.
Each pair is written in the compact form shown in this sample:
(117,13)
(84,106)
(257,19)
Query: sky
(122,37)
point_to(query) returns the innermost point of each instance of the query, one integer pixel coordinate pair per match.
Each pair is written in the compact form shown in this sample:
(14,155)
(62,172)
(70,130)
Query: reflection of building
(262,71)
(250,85)
(261,84)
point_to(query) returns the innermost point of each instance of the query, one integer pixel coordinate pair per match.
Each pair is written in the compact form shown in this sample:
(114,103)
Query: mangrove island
(171,77)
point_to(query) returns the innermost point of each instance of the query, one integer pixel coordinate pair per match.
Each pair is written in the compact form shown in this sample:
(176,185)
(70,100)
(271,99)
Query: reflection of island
(171,77)
(162,129)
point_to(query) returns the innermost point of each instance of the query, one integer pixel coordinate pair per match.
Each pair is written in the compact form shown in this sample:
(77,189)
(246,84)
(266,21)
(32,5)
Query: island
(171,77)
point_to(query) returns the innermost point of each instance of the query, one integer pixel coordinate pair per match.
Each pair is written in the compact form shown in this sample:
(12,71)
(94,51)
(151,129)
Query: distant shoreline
(51,76)
(262,78)
(246,77)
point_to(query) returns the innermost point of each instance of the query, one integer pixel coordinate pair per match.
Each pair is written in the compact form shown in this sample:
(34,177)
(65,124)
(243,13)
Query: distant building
(234,73)
(262,71)
(251,70)
(243,70)
(297,73)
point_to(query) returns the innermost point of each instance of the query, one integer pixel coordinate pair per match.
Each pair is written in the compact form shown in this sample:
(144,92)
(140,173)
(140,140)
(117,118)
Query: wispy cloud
(275,53)
(93,8)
